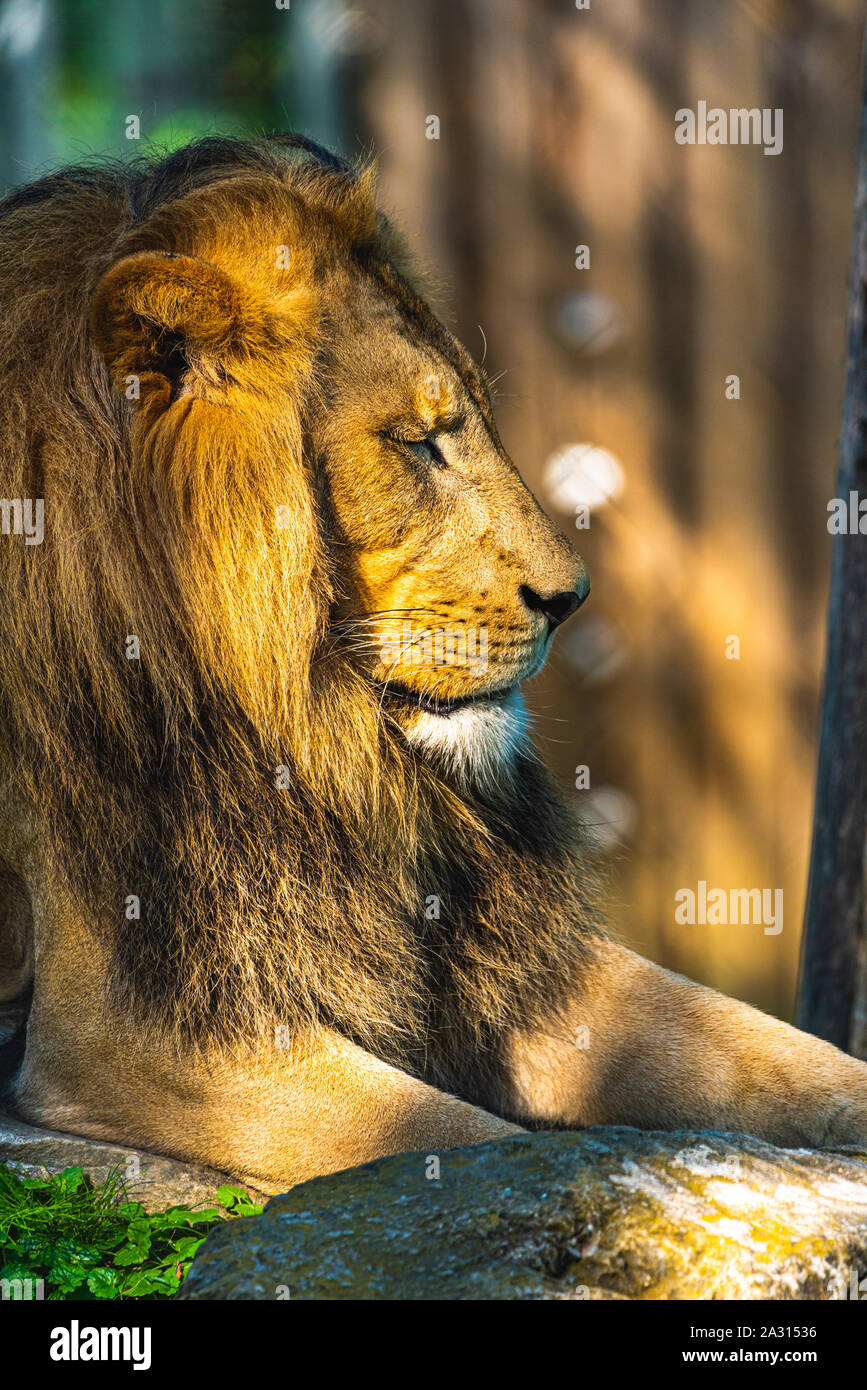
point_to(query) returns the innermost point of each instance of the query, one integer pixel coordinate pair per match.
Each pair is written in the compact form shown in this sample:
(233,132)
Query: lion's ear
(156,312)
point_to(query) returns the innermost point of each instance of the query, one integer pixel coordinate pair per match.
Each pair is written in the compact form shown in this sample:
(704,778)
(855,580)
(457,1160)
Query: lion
(285,886)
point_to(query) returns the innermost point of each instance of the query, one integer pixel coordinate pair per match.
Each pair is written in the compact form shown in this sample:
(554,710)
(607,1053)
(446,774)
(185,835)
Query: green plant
(87,1240)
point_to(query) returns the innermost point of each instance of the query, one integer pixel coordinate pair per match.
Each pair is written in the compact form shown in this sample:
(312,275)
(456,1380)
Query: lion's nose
(556,607)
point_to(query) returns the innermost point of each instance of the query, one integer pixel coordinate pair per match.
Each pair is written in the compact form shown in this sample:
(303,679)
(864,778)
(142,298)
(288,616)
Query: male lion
(295,897)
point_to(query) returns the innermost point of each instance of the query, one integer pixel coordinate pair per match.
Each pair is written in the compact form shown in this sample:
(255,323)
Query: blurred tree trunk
(834,965)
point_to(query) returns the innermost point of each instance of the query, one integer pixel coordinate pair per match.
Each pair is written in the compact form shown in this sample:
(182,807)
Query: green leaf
(104,1283)
(34,1184)
(36,1248)
(67,1278)
(187,1247)
(131,1209)
(144,1282)
(228,1195)
(71,1179)
(17,1271)
(89,1255)
(207,1214)
(133,1253)
(69,1251)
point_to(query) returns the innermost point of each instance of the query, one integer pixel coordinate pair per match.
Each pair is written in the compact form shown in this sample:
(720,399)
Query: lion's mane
(261,907)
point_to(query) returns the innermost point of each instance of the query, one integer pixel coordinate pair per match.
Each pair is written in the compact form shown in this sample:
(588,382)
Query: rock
(154,1181)
(605,1213)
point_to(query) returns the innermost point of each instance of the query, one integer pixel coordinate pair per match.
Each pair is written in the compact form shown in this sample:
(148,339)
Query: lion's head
(255,309)
(289,587)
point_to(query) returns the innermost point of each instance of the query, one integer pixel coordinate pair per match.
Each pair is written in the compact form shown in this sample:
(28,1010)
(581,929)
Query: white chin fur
(476,743)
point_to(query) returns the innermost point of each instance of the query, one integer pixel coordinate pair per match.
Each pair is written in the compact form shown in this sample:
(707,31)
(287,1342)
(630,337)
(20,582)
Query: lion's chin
(475,743)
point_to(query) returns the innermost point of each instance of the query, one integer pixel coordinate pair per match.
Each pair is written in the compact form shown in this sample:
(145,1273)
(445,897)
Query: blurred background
(510,134)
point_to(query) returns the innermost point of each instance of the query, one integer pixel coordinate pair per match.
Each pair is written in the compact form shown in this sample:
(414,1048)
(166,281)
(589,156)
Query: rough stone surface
(154,1181)
(607,1213)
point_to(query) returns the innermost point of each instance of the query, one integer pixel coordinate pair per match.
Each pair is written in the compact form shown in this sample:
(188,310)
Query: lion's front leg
(272,1116)
(642,1046)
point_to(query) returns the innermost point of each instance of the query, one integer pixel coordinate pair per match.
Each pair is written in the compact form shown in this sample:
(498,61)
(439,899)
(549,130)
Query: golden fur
(260,906)
(289,877)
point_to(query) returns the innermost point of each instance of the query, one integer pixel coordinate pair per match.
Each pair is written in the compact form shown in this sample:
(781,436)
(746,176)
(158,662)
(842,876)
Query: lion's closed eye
(425,450)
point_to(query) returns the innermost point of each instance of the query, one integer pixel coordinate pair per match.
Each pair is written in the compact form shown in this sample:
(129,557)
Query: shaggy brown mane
(260,907)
